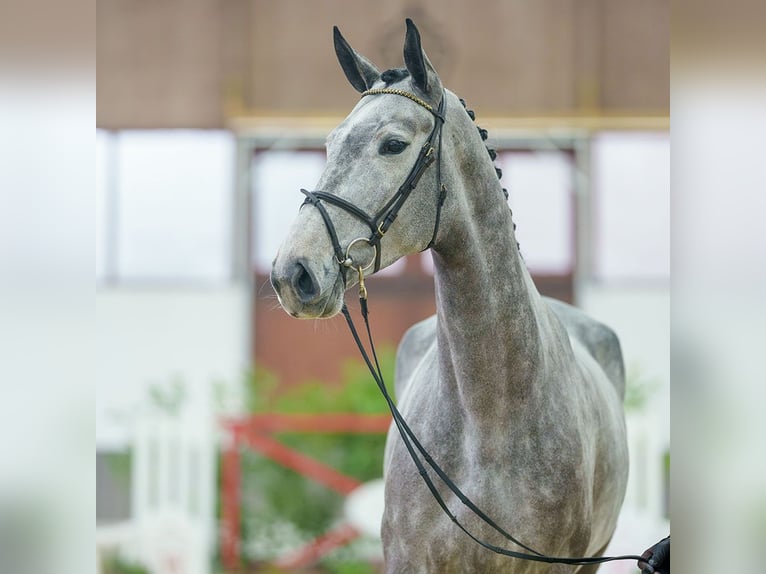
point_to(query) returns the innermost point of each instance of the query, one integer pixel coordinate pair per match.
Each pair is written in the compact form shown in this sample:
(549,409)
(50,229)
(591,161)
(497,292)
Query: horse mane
(395,75)
(493,156)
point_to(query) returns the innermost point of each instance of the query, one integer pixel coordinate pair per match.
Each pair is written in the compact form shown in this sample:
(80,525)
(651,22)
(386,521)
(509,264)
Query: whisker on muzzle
(263,286)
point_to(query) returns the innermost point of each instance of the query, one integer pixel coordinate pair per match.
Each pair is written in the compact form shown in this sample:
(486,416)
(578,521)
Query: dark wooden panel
(636,55)
(502,56)
(159,64)
(178,63)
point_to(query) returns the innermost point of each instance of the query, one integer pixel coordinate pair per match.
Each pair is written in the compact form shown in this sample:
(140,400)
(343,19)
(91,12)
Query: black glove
(657,557)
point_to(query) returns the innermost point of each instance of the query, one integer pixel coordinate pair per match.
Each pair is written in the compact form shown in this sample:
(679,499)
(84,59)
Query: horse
(517,396)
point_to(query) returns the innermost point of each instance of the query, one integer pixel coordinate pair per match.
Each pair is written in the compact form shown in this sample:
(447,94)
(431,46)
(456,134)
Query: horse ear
(416,60)
(359,70)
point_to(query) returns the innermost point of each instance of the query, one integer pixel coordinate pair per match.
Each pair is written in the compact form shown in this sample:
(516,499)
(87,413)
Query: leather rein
(378,225)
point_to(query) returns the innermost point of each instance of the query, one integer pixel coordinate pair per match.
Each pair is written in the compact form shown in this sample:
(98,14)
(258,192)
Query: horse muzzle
(305,291)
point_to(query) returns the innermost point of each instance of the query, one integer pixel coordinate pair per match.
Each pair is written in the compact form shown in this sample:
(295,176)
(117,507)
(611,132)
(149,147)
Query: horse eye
(393,147)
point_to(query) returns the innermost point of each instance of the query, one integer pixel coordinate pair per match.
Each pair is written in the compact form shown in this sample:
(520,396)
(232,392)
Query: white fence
(172,528)
(643,518)
(172,525)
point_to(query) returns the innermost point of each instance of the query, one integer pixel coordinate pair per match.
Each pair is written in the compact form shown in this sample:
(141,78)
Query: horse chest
(501,471)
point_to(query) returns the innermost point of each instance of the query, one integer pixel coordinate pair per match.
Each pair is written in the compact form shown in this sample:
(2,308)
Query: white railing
(172,525)
(643,518)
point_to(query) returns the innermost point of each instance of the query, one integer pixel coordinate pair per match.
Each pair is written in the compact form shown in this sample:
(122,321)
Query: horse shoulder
(600,341)
(412,349)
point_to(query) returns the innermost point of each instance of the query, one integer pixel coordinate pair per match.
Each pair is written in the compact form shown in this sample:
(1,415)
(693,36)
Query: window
(540,186)
(277,177)
(165,206)
(631,206)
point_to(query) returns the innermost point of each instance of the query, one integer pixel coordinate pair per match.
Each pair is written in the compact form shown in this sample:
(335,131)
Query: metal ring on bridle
(349,262)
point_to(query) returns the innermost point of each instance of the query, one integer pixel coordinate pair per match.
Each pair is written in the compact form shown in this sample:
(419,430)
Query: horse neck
(487,305)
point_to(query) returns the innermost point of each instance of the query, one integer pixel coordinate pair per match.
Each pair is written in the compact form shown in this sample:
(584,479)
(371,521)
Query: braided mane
(492,154)
(395,75)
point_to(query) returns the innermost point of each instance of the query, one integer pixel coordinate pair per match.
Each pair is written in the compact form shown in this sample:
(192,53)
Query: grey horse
(518,397)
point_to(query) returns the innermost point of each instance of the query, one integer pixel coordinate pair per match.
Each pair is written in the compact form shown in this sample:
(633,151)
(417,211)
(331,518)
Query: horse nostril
(304,283)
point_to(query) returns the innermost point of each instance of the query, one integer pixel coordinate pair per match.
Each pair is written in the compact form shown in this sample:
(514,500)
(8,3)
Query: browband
(397,92)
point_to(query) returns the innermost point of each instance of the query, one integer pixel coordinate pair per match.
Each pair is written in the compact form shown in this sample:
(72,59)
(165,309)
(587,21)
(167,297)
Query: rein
(379,225)
(412,443)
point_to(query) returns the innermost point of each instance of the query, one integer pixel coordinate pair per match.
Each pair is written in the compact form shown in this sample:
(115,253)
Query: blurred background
(221,449)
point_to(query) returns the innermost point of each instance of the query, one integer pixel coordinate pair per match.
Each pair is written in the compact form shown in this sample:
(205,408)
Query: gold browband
(394,91)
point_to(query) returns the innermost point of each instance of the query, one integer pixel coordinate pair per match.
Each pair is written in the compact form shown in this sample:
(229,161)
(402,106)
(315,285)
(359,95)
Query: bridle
(385,217)
(378,225)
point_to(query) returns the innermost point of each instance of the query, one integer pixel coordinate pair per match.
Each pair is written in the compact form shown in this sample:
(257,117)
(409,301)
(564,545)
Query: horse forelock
(394,75)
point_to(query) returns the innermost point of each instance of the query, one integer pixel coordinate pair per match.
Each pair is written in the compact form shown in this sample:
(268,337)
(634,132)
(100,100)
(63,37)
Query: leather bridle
(385,217)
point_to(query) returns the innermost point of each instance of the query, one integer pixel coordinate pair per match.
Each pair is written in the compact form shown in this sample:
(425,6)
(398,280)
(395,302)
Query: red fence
(256,433)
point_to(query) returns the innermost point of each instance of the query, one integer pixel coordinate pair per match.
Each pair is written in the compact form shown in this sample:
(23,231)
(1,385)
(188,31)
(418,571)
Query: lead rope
(409,439)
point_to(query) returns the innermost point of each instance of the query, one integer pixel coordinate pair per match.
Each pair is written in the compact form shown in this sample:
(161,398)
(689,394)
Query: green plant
(120,464)
(638,388)
(114,564)
(355,392)
(273,496)
(347,567)
(168,397)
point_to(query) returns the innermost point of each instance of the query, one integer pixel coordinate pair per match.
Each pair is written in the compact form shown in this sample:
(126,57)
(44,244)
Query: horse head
(361,219)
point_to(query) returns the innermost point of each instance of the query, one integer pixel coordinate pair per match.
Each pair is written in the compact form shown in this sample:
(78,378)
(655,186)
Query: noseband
(385,217)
